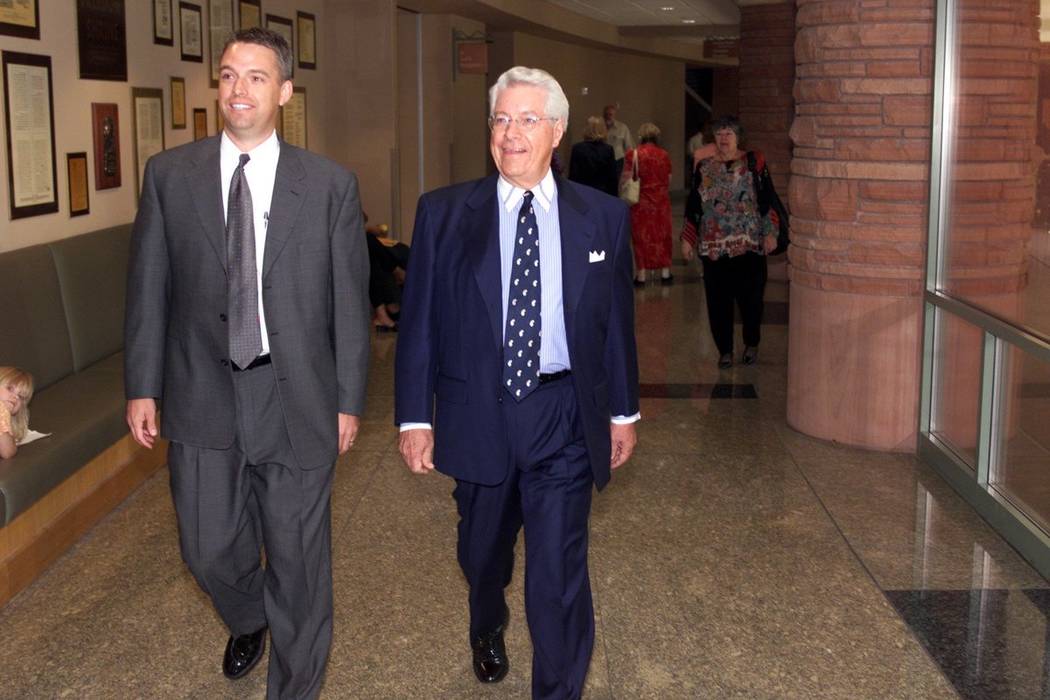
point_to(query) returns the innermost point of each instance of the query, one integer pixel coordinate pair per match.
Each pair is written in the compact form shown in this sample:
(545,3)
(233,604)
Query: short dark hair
(728,121)
(271,40)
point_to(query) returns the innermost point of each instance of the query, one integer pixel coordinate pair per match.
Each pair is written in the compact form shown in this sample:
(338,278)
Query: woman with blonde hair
(16,389)
(592,162)
(651,216)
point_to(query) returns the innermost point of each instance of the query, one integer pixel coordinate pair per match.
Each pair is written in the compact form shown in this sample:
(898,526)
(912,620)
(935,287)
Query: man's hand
(687,251)
(348,427)
(624,438)
(417,449)
(141,416)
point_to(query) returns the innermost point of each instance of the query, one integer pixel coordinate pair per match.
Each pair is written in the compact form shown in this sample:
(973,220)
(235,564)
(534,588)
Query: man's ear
(559,131)
(286,92)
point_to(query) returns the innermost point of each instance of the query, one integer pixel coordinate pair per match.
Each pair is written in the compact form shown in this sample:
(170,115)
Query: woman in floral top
(732,224)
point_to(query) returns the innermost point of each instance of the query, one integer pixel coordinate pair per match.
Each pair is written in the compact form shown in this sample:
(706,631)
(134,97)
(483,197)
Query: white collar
(268,149)
(511,194)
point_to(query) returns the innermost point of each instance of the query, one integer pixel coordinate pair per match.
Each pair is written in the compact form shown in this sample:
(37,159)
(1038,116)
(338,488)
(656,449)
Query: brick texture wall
(766,77)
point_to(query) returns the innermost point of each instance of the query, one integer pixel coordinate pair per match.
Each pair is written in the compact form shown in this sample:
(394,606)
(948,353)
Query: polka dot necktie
(521,338)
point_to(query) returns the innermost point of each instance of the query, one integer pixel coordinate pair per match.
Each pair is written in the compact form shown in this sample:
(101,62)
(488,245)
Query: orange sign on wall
(472,57)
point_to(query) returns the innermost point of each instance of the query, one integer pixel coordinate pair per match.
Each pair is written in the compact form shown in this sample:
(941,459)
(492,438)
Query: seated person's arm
(8,448)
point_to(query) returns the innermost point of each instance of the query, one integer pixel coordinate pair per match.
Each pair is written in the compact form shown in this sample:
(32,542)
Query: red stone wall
(858,203)
(766,77)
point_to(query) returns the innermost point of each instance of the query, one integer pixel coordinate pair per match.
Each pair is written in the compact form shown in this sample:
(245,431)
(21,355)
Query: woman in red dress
(651,216)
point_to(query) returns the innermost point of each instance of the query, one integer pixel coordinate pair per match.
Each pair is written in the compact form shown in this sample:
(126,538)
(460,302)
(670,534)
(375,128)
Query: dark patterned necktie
(241,275)
(521,344)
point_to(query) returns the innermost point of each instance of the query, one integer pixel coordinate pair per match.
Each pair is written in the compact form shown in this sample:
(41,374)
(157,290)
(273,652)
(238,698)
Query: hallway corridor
(731,558)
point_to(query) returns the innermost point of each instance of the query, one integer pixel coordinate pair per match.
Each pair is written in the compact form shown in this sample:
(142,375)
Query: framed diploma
(293,119)
(191,38)
(200,123)
(77,171)
(105,132)
(29,114)
(147,123)
(283,26)
(102,44)
(20,18)
(178,103)
(220,28)
(220,123)
(307,40)
(250,13)
(163,26)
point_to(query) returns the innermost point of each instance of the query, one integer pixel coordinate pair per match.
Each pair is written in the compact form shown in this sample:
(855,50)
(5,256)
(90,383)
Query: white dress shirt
(260,171)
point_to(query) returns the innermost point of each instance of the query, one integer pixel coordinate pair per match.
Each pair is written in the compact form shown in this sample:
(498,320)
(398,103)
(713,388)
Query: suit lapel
(481,223)
(289,189)
(577,232)
(204,177)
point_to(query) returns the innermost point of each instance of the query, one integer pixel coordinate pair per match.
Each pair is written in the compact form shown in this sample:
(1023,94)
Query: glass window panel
(1021,468)
(997,249)
(956,384)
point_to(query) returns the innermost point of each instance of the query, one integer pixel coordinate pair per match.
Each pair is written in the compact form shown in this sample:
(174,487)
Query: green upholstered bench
(64,308)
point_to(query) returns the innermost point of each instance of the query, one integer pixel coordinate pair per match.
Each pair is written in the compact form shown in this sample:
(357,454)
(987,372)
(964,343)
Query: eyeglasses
(525,123)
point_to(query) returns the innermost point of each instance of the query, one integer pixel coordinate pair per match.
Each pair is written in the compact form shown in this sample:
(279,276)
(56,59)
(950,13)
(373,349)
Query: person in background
(651,216)
(16,390)
(618,135)
(593,162)
(731,224)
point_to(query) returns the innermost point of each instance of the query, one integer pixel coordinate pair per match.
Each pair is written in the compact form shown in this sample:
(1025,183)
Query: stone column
(858,203)
(858,198)
(766,77)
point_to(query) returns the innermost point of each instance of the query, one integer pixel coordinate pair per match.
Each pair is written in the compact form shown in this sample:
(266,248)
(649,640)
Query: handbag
(631,188)
(764,186)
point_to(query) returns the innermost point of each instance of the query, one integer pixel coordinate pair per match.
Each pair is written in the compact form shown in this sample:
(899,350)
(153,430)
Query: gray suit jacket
(314,290)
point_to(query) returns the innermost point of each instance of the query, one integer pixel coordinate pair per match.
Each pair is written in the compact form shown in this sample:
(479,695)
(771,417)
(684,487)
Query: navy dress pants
(548,491)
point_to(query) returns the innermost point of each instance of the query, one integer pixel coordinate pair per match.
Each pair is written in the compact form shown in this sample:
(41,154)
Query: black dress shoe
(750,355)
(242,653)
(725,361)
(490,656)
(667,281)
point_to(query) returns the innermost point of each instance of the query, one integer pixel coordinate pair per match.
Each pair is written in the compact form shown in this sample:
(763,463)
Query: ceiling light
(667,8)
(688,21)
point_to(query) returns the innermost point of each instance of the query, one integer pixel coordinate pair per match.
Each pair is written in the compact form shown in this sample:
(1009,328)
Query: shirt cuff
(415,426)
(627,420)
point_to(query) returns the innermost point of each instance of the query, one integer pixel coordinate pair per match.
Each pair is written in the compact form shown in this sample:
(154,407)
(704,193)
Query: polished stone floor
(731,558)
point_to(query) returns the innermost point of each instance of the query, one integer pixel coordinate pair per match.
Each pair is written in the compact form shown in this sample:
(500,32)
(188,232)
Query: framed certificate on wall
(29,115)
(77,172)
(147,125)
(250,13)
(20,18)
(191,36)
(163,24)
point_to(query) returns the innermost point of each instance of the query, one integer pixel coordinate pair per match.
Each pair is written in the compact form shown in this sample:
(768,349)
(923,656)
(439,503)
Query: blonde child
(16,389)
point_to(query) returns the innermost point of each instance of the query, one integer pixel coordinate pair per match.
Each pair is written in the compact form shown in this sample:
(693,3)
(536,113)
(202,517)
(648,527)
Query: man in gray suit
(247,317)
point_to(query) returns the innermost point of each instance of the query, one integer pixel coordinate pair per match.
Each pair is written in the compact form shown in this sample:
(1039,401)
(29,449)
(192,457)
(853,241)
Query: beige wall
(149,65)
(647,89)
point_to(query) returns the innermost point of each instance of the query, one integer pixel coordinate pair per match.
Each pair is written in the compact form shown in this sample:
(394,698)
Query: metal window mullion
(987,424)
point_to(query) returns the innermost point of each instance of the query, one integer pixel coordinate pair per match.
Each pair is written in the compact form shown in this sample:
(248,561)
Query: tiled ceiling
(656,13)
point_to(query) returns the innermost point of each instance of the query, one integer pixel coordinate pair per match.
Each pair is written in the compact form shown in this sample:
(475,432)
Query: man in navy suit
(517,375)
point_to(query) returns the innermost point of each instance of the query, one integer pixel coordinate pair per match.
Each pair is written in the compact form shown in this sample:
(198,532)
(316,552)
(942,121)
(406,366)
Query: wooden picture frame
(249,13)
(147,126)
(21,19)
(220,28)
(32,179)
(200,123)
(77,174)
(177,95)
(102,41)
(306,46)
(292,121)
(163,23)
(105,132)
(191,36)
(220,123)
(286,28)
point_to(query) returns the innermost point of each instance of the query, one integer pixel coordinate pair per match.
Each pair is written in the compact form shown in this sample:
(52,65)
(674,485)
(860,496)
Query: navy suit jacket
(450,345)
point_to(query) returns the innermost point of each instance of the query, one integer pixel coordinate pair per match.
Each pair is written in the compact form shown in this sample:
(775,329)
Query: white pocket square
(596,256)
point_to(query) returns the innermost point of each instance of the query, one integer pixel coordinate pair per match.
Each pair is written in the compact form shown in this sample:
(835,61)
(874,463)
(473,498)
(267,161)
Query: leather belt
(544,378)
(262,361)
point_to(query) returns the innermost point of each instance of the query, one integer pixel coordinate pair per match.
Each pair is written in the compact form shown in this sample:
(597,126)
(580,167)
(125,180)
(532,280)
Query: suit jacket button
(224,362)
(499,399)
(222,317)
